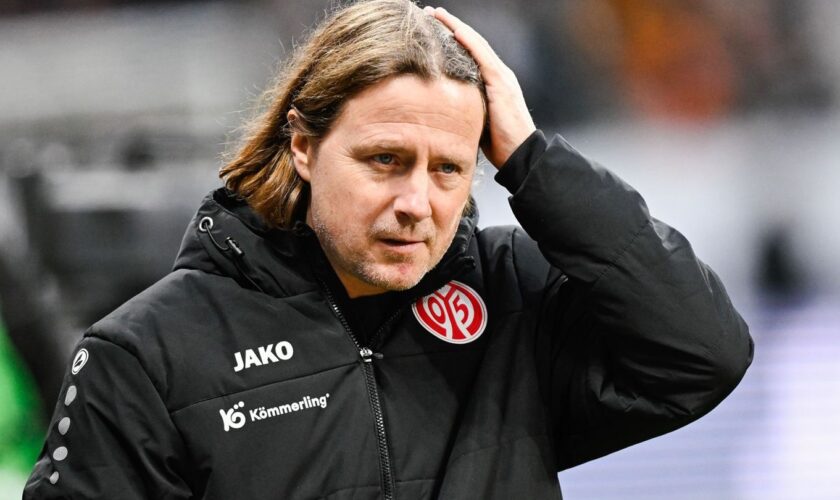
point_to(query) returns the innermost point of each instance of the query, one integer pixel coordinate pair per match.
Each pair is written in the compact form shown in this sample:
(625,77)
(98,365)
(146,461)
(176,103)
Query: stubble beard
(362,265)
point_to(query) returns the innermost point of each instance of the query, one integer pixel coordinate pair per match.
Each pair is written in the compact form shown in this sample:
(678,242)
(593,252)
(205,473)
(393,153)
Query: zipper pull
(368,354)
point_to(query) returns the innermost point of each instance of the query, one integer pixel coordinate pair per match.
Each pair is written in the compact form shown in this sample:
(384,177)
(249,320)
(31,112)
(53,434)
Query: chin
(395,278)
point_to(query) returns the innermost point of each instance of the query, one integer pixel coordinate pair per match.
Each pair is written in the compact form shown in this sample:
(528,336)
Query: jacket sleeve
(110,435)
(641,338)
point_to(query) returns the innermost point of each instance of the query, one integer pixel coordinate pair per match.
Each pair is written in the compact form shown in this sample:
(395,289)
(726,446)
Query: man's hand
(510,122)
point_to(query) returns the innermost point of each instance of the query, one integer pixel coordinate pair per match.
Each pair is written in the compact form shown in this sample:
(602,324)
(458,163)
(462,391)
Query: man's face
(391,178)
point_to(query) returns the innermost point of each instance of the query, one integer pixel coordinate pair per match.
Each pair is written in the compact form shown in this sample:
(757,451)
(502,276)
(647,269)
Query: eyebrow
(397,147)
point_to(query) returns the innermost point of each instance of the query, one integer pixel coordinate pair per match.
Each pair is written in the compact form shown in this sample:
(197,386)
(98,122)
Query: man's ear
(301,147)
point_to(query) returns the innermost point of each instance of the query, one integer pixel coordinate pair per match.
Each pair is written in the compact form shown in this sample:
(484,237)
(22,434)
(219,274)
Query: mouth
(400,245)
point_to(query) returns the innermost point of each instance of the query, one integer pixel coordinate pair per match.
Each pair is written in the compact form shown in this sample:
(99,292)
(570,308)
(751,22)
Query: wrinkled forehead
(408,109)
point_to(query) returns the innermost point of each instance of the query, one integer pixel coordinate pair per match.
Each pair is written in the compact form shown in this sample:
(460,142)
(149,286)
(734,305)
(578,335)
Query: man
(337,327)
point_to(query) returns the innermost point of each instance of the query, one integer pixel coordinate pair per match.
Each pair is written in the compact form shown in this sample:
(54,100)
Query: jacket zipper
(368,355)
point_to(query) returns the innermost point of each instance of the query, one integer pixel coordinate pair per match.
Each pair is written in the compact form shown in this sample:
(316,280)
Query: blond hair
(355,47)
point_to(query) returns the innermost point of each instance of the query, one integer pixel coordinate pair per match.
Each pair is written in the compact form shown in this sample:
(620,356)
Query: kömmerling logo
(234,419)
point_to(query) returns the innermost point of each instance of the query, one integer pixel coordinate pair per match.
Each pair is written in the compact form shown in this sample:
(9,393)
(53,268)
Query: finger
(460,29)
(472,40)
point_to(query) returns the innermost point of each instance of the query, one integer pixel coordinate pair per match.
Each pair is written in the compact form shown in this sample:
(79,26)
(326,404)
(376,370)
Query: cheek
(448,212)
(338,190)
(347,209)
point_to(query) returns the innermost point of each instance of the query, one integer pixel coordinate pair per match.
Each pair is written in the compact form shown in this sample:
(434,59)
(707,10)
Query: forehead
(437,113)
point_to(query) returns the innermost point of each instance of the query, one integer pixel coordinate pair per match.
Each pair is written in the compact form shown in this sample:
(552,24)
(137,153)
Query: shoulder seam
(93,334)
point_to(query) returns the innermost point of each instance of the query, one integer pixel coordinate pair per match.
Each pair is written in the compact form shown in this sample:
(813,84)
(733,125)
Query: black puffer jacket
(236,376)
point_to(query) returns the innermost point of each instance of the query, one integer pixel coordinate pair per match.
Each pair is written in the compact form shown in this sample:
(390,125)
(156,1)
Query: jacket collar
(227,238)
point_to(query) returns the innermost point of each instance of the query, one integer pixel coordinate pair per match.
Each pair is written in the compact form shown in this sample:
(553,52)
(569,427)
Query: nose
(412,201)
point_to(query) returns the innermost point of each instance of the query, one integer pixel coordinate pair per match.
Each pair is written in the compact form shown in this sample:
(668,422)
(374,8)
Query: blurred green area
(22,424)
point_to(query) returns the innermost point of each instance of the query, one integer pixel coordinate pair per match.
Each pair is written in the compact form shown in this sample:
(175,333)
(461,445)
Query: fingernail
(429,10)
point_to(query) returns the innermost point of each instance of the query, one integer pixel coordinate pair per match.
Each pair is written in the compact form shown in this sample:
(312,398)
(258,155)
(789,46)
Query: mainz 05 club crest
(454,313)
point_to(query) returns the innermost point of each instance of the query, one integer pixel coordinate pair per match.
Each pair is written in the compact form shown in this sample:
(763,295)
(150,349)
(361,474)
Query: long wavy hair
(354,47)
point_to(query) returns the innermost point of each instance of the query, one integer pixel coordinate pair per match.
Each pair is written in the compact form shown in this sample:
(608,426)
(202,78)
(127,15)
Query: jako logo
(233,419)
(272,353)
(79,361)
(455,313)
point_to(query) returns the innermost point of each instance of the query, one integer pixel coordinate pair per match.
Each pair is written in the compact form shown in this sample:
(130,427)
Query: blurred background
(723,114)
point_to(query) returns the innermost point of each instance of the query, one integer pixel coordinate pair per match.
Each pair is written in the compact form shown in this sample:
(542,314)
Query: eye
(384,158)
(449,168)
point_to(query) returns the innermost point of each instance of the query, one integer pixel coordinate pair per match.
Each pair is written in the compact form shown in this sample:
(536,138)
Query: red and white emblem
(454,313)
